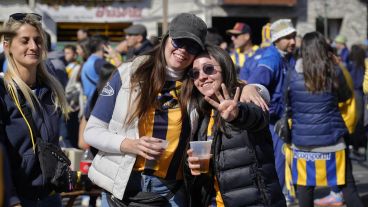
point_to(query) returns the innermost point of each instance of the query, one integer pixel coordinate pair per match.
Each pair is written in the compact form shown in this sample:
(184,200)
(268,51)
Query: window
(68,31)
(333,27)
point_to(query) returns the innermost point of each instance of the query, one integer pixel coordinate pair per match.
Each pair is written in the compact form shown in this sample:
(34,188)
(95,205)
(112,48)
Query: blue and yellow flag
(318,168)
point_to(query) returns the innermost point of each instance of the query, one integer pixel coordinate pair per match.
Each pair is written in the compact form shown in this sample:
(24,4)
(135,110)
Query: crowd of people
(139,104)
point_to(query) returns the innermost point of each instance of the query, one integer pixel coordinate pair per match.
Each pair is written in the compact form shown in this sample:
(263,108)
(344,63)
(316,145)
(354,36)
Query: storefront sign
(115,13)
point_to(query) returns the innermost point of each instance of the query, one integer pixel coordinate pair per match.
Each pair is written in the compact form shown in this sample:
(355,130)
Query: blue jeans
(49,201)
(157,185)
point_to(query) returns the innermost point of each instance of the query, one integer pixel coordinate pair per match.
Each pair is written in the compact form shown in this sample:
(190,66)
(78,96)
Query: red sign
(129,12)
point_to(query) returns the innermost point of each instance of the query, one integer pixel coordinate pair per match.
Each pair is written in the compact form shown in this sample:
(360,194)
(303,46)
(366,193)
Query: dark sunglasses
(190,46)
(207,69)
(235,35)
(22,16)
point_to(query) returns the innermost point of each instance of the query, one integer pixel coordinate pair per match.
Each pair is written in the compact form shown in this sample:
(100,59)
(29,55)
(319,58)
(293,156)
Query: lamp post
(164,16)
(325,20)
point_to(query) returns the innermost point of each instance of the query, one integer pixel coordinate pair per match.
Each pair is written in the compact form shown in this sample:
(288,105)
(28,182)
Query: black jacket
(244,163)
(143,49)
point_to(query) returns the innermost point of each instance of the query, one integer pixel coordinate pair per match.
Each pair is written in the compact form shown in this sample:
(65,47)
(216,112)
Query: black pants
(349,190)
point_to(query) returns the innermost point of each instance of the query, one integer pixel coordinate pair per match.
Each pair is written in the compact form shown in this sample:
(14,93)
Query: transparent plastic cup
(151,164)
(202,150)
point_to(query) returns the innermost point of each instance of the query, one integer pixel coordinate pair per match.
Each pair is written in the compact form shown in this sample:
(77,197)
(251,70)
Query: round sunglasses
(207,69)
(190,46)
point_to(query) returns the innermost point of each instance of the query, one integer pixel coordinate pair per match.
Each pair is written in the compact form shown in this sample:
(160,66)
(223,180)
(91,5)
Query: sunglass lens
(190,46)
(18,16)
(208,69)
(21,16)
(177,43)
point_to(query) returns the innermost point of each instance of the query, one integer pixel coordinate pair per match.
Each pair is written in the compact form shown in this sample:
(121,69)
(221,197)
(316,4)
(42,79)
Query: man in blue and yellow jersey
(252,61)
(241,35)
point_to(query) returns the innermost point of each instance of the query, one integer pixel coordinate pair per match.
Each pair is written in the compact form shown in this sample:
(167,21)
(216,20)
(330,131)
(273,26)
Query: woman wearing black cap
(140,122)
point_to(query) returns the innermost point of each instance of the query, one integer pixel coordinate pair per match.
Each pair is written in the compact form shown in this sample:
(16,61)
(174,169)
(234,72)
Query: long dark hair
(229,77)
(150,77)
(318,67)
(357,56)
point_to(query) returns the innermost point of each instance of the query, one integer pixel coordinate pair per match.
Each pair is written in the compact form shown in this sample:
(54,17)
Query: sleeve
(250,117)
(107,97)
(263,92)
(262,75)
(266,67)
(98,136)
(365,81)
(96,133)
(347,105)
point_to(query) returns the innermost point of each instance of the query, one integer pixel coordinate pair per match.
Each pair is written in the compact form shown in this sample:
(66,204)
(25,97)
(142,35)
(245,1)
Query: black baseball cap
(188,26)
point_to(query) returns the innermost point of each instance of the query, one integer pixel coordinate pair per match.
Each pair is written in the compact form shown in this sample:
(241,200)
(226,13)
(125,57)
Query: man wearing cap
(241,35)
(252,61)
(136,37)
(342,50)
(271,72)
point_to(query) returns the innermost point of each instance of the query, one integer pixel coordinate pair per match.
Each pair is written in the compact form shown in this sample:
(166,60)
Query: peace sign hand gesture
(227,107)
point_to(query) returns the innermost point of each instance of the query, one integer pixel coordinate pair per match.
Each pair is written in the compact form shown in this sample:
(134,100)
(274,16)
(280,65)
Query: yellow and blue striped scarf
(164,122)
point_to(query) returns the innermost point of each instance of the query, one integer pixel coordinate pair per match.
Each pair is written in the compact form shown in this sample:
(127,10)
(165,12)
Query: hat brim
(233,31)
(131,32)
(282,34)
(186,35)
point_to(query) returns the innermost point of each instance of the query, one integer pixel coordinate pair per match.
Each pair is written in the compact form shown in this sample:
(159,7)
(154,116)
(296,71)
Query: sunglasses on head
(22,16)
(207,69)
(190,46)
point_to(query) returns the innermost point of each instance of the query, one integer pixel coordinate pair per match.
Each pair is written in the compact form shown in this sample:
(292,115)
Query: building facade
(111,17)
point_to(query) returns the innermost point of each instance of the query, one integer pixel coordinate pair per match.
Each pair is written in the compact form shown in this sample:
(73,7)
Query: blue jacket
(316,119)
(24,165)
(251,64)
(357,75)
(90,76)
(344,55)
(270,72)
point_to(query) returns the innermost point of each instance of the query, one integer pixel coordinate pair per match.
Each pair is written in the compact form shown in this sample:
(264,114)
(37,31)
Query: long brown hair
(150,78)
(319,69)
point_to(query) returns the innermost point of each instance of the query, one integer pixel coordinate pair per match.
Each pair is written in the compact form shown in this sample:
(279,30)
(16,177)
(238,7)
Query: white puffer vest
(111,171)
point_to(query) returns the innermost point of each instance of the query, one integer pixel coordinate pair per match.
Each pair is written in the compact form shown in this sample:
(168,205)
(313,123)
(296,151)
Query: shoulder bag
(282,127)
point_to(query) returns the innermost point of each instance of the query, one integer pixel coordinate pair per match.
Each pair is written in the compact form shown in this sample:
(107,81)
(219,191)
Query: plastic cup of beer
(202,150)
